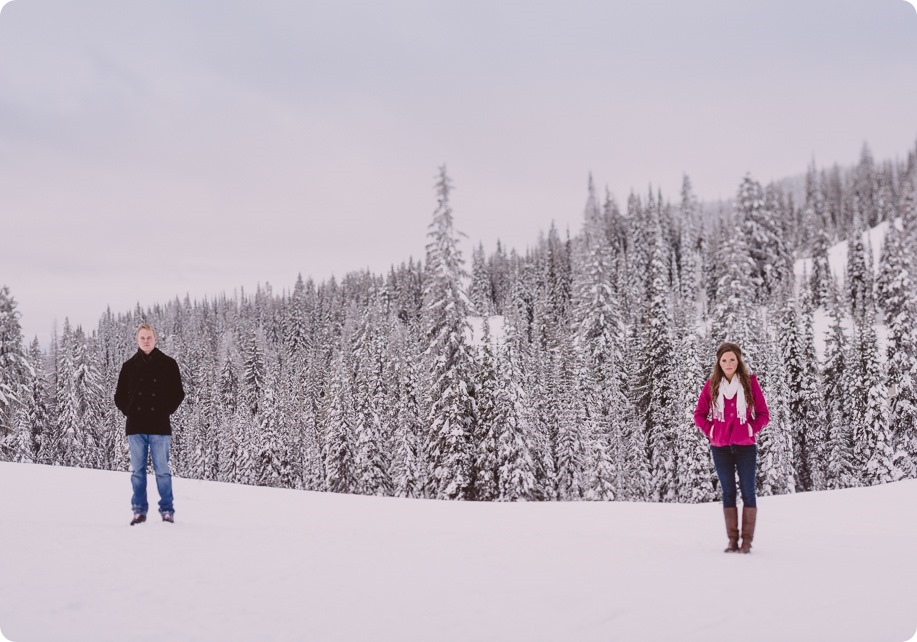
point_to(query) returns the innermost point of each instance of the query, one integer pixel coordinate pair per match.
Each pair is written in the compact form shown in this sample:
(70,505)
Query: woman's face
(729,362)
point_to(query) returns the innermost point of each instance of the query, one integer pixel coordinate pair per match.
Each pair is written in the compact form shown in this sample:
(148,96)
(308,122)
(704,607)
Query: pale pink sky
(153,149)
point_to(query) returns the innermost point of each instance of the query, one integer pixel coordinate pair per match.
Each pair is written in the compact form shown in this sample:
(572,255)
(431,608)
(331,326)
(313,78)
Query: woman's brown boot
(749,515)
(732,528)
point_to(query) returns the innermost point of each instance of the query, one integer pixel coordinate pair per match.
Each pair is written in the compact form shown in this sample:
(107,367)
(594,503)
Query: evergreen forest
(581,379)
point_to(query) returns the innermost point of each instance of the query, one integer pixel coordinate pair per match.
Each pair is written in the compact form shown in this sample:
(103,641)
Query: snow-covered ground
(245,563)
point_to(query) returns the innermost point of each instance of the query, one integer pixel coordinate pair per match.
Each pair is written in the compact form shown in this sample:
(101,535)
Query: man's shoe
(168,517)
(139,518)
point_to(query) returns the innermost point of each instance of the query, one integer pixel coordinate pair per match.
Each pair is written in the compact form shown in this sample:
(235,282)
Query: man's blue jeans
(728,460)
(156,446)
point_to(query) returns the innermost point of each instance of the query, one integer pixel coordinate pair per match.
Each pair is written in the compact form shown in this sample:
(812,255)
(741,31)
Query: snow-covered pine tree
(37,410)
(68,428)
(690,260)
(253,368)
(836,373)
(481,292)
(812,402)
(486,466)
(885,196)
(89,396)
(632,462)
(809,223)
(775,443)
(694,469)
(767,249)
(13,372)
(448,356)
(272,467)
(516,469)
(598,335)
(408,463)
(798,374)
(569,453)
(371,422)
(297,330)
(658,404)
(820,278)
(859,280)
(864,186)
(734,306)
(338,448)
(245,438)
(899,303)
(873,454)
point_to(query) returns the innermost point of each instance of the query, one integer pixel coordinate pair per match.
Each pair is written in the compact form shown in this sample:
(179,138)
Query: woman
(730,412)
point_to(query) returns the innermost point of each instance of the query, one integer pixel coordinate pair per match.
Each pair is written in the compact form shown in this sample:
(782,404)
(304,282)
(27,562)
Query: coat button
(154,394)
(154,380)
(139,394)
(152,408)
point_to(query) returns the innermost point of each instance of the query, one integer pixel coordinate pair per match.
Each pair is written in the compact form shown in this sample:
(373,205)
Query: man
(149,390)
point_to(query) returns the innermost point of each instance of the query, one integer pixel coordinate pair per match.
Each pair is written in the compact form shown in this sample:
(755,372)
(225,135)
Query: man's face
(146,341)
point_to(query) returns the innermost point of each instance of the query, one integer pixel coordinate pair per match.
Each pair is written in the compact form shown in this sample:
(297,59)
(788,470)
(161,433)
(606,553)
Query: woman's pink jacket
(730,432)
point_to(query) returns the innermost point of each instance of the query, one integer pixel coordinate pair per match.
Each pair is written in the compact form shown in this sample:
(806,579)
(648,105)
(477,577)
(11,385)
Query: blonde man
(149,390)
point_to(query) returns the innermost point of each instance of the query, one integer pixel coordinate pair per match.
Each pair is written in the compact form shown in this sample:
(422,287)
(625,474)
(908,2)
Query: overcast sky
(153,149)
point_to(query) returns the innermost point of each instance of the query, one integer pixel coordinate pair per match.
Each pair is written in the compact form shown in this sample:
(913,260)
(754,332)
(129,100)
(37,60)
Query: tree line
(595,347)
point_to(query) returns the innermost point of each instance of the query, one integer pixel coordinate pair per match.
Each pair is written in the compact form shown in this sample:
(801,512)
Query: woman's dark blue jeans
(728,460)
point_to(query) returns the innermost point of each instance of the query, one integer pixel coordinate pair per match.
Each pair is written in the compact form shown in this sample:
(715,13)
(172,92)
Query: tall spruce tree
(449,361)
(515,466)
(694,470)
(37,410)
(13,372)
(899,303)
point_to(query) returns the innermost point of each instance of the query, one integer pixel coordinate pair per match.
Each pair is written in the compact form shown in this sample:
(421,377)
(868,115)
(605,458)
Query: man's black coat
(149,390)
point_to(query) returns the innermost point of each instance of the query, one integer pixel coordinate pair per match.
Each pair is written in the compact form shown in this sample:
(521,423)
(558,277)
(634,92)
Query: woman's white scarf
(728,390)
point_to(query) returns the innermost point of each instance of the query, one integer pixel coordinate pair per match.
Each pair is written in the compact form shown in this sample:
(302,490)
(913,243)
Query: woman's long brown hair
(741,370)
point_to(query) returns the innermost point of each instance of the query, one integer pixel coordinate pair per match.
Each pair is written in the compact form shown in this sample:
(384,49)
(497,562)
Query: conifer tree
(896,294)
(370,427)
(68,427)
(13,372)
(820,278)
(253,370)
(569,450)
(408,464)
(34,433)
(486,466)
(873,451)
(659,401)
(481,293)
(338,449)
(445,313)
(775,443)
(733,307)
(767,250)
(836,372)
(859,276)
(695,474)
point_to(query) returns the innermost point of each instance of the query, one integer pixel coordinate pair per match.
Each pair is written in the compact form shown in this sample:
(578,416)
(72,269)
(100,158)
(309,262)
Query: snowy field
(245,563)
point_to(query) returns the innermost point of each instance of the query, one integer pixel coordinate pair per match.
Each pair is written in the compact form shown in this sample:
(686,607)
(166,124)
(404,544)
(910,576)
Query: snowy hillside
(874,239)
(247,563)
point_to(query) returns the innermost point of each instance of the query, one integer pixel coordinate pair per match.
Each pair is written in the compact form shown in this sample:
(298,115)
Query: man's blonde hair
(146,326)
